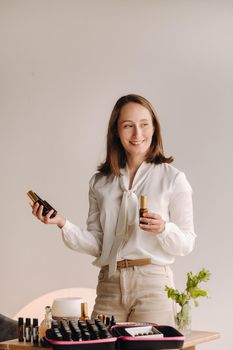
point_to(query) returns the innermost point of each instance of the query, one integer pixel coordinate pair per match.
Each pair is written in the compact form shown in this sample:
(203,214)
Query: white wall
(63,64)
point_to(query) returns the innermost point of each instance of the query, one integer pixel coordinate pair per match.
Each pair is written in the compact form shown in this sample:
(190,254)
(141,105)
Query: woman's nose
(137,130)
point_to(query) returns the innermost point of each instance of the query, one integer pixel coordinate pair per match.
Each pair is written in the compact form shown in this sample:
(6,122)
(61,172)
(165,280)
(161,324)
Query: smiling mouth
(136,142)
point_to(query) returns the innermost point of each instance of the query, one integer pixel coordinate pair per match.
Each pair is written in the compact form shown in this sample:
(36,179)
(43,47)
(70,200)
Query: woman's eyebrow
(131,121)
(126,121)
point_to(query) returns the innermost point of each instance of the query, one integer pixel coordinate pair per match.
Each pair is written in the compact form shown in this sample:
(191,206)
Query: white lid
(67,307)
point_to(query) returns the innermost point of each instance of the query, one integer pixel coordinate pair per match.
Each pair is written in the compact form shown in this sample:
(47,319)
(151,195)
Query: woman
(134,254)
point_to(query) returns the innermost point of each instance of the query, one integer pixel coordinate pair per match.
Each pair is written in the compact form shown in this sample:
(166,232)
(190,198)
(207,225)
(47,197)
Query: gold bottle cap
(143,202)
(32,196)
(84,309)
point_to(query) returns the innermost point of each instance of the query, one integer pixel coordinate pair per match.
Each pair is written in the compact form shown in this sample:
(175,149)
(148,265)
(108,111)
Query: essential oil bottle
(20,329)
(35,331)
(143,205)
(84,312)
(46,322)
(28,330)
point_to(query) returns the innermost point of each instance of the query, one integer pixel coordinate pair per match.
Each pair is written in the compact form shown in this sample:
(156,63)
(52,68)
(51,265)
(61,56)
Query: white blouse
(113,231)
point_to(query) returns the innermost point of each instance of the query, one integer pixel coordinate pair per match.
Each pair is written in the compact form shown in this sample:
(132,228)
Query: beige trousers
(136,294)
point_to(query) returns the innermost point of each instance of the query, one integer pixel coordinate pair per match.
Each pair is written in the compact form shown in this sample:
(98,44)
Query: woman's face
(135,130)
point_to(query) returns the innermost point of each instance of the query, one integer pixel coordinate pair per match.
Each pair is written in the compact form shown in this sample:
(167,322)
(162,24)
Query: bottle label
(27,333)
(35,334)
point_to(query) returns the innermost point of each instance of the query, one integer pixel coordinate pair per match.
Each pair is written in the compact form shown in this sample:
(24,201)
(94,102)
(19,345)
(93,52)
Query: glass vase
(183,319)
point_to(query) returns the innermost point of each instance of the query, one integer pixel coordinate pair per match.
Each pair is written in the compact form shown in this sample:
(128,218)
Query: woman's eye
(126,126)
(145,124)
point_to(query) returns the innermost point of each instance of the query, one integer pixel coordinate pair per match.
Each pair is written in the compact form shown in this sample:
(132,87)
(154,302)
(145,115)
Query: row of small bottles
(28,332)
(32,332)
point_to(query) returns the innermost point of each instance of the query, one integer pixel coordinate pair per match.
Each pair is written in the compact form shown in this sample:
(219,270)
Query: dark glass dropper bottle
(20,329)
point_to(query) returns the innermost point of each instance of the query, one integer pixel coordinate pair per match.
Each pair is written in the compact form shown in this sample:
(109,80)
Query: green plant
(192,291)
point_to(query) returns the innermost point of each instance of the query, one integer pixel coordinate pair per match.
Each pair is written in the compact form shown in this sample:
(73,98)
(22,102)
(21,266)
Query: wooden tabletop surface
(198,337)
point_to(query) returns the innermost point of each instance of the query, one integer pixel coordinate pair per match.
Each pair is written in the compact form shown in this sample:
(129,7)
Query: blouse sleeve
(87,241)
(178,237)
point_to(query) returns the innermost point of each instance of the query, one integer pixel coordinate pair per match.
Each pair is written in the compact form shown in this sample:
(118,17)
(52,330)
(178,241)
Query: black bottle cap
(90,322)
(55,324)
(107,321)
(86,336)
(113,321)
(105,333)
(20,321)
(35,322)
(58,336)
(100,324)
(28,322)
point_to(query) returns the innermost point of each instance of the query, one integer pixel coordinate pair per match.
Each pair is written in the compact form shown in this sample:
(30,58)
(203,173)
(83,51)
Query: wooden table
(195,338)
(198,337)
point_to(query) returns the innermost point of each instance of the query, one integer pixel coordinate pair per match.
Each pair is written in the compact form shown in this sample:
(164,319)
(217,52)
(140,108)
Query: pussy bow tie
(128,212)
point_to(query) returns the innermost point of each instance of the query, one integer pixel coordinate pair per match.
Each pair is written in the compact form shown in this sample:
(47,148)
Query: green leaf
(196,293)
(192,290)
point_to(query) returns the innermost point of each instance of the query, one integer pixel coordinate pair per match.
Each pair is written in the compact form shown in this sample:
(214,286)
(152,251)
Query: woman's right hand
(37,210)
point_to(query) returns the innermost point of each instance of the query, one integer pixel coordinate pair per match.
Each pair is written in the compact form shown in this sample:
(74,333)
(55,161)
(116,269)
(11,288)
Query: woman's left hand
(152,222)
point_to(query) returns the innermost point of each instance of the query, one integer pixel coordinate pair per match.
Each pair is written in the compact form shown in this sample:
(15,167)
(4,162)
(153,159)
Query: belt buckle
(123,264)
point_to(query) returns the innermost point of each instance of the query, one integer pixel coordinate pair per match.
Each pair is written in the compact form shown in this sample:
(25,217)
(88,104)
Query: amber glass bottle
(84,312)
(46,322)
(143,206)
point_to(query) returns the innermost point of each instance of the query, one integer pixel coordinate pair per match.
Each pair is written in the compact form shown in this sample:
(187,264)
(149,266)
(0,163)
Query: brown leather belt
(130,263)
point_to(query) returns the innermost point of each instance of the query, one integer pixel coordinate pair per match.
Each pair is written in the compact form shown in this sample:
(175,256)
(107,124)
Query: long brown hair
(116,157)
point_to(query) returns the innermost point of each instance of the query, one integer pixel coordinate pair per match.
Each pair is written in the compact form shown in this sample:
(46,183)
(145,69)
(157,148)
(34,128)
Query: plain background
(63,65)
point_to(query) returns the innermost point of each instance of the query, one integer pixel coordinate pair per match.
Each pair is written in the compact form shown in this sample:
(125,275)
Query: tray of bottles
(75,335)
(95,335)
